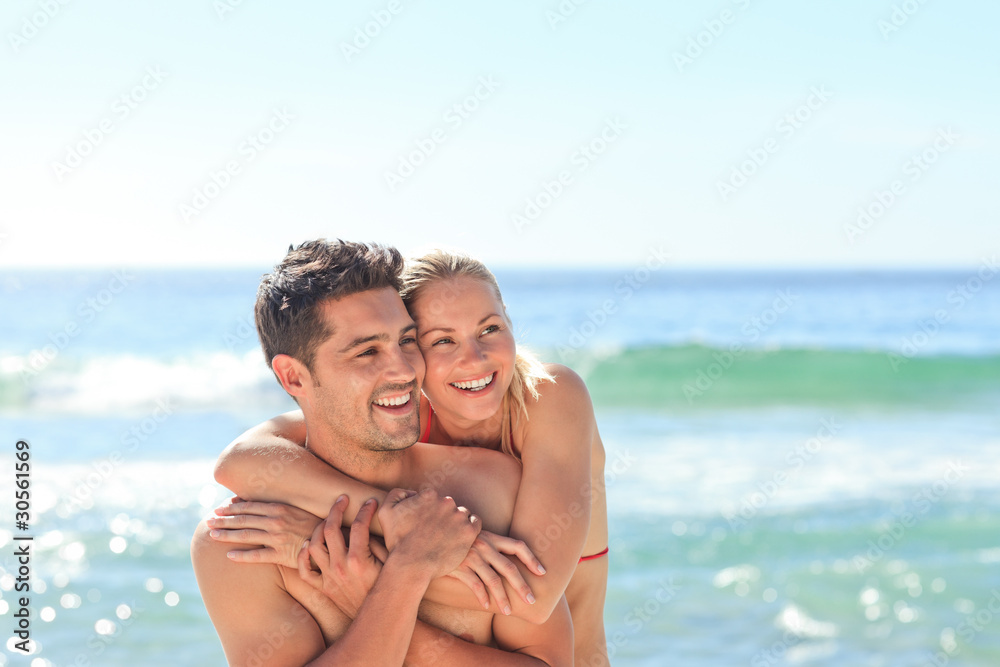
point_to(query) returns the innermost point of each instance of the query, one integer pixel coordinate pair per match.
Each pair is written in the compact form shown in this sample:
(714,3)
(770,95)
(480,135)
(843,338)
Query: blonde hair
(528,372)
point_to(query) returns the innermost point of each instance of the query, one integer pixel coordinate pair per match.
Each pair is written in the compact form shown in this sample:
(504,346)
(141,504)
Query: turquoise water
(812,486)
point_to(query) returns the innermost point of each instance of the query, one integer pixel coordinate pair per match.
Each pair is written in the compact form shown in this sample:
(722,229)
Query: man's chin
(398,439)
(394,445)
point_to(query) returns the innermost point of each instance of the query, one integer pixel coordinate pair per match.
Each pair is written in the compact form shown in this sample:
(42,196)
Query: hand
(485,568)
(427,531)
(346,574)
(280,529)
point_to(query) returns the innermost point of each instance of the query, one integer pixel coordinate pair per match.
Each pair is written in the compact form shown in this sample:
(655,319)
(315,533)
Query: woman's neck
(451,429)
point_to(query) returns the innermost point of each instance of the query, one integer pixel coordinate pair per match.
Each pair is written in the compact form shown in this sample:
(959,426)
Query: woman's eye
(491,328)
(441,340)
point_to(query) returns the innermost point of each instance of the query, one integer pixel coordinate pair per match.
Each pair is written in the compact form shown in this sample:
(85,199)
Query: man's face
(366,377)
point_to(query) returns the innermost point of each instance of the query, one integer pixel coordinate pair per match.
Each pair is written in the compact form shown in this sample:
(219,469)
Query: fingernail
(506,610)
(231,554)
(305,545)
(531,599)
(370,501)
(215,533)
(211,523)
(541,570)
(342,497)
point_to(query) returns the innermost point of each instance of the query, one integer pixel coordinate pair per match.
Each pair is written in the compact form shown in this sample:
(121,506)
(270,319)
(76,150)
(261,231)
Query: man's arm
(385,628)
(393,602)
(380,634)
(258,622)
(432,647)
(556,475)
(269,463)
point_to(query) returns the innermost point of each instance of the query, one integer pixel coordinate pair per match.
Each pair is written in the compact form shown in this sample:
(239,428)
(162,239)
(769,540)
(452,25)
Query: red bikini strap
(597,555)
(427,431)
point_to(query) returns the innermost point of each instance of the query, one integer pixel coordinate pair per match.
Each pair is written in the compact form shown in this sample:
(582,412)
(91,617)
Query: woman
(481,392)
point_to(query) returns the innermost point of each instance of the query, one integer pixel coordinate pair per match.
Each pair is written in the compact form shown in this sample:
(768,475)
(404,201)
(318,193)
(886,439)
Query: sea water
(802,466)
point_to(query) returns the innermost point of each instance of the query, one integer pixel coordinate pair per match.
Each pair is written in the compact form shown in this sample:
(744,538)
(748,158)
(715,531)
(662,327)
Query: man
(341,343)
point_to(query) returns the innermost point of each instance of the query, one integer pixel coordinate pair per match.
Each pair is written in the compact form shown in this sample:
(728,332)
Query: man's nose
(400,368)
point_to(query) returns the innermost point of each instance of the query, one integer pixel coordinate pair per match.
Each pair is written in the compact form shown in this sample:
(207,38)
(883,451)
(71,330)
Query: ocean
(802,465)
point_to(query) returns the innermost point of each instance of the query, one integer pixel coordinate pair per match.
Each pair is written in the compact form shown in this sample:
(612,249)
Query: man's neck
(377,468)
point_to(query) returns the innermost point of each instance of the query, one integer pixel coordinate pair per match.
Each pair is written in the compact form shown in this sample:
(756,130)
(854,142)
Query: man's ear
(292,374)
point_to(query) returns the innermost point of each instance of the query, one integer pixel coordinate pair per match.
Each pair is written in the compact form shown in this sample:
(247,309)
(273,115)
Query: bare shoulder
(250,606)
(560,422)
(204,550)
(566,397)
(564,375)
(214,570)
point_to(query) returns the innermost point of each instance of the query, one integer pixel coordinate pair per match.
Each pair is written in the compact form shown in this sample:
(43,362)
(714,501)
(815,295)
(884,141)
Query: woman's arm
(269,463)
(552,512)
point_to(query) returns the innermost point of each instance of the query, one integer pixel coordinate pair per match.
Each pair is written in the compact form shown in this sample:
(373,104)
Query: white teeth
(391,402)
(476,385)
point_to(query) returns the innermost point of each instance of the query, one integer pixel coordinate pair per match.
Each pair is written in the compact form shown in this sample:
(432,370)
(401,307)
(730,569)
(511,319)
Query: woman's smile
(475,386)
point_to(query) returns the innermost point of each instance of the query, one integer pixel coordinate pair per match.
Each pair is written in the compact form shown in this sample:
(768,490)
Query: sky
(740,133)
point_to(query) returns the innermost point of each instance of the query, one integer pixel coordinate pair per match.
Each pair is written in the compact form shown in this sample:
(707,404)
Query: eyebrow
(450,330)
(382,338)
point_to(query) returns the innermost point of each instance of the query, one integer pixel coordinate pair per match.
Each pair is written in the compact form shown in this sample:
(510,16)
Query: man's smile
(395,404)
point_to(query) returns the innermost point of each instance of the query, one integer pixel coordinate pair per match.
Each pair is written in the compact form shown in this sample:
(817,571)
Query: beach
(801,465)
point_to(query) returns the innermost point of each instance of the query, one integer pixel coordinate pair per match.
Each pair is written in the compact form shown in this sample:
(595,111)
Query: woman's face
(467,346)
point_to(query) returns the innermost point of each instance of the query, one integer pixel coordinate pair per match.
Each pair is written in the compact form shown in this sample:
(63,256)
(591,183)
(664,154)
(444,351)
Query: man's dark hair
(289,298)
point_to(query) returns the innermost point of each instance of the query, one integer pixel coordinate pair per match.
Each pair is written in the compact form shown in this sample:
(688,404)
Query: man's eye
(367,353)
(407,341)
